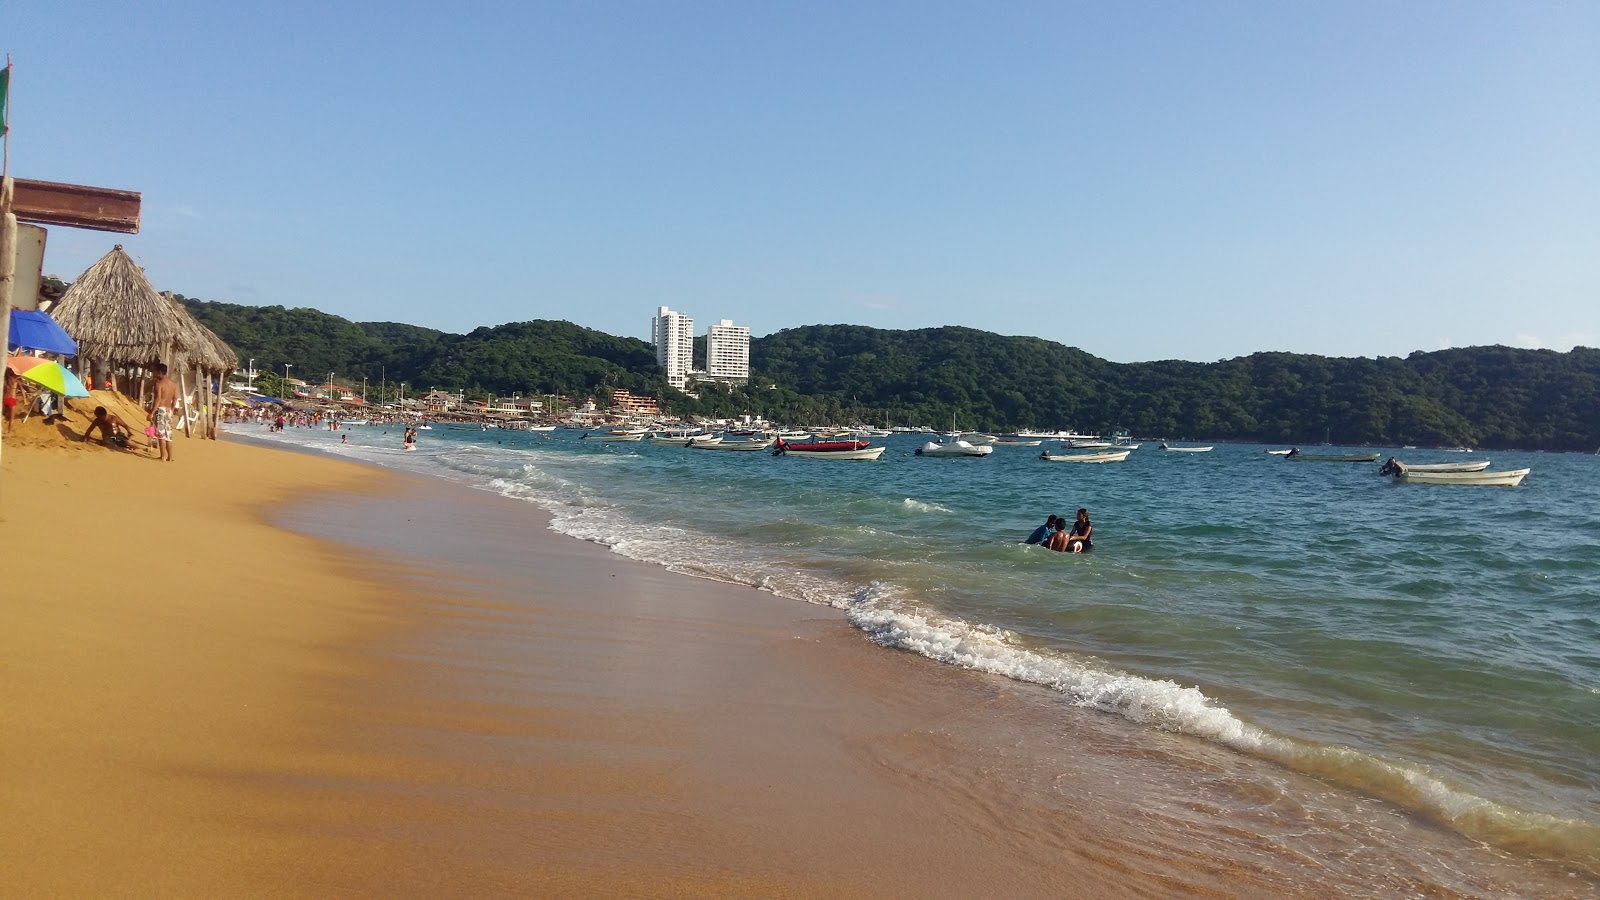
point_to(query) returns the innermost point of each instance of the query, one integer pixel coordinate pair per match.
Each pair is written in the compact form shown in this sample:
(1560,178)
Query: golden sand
(159,647)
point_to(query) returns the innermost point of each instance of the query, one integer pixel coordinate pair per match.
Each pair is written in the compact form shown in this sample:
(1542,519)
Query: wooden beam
(76,206)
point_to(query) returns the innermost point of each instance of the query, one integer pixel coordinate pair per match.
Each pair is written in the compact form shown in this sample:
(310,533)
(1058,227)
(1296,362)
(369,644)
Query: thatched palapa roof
(117,317)
(204,348)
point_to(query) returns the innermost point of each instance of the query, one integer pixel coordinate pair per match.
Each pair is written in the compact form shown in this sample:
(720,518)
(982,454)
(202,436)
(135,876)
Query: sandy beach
(262,673)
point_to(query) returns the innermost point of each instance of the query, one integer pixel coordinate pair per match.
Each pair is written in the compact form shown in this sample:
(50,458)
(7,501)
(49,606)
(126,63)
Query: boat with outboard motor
(829,450)
(1297,456)
(1510,478)
(1187,449)
(1107,456)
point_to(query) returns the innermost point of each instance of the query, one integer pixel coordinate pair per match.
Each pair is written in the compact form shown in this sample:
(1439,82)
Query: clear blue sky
(1142,180)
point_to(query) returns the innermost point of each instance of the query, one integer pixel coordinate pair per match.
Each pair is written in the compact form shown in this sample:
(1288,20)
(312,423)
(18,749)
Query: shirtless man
(161,412)
(112,429)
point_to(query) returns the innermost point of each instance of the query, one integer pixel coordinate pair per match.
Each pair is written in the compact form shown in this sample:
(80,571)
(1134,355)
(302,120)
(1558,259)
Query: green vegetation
(1489,397)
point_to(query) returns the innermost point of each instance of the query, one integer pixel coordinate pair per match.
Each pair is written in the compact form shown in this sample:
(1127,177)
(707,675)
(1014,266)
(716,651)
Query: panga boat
(612,436)
(681,440)
(1011,442)
(829,450)
(1511,478)
(1105,457)
(725,444)
(1278,452)
(1187,449)
(1327,457)
(1473,466)
(953,448)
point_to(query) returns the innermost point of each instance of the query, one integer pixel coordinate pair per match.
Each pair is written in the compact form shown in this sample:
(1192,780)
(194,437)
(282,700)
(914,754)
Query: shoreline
(490,712)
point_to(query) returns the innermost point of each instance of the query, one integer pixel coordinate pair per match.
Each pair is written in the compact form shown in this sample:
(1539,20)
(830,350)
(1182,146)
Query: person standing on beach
(10,401)
(161,412)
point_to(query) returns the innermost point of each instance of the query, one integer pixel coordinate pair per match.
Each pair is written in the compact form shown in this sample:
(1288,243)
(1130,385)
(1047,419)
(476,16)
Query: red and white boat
(829,450)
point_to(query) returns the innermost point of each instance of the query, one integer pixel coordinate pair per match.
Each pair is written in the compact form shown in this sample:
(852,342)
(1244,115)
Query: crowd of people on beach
(1064,536)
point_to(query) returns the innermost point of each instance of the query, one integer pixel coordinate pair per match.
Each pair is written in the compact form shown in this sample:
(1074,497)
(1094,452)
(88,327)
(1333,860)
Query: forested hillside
(1478,396)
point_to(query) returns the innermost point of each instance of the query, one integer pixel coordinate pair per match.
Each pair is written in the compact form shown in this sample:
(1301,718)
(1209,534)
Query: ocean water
(1436,648)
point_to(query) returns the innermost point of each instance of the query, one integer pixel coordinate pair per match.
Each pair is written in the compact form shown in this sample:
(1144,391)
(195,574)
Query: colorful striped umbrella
(47,373)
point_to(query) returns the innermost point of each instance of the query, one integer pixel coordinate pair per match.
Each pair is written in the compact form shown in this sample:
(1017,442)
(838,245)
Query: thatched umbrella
(117,317)
(208,356)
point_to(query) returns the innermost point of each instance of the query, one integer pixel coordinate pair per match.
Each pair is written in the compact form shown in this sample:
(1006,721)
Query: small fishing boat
(1510,478)
(680,440)
(1278,452)
(1473,466)
(829,450)
(612,437)
(953,448)
(1110,456)
(725,444)
(1187,449)
(977,438)
(1012,442)
(1297,456)
(1090,445)
(545,428)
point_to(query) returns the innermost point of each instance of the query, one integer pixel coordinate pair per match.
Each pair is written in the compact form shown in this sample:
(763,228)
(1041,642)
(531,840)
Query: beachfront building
(727,353)
(673,335)
(625,402)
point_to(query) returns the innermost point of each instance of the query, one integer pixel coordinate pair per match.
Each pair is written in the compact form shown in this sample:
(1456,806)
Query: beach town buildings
(728,353)
(727,350)
(625,402)
(673,335)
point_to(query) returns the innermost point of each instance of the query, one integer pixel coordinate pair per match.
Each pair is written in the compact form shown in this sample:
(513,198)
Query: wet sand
(432,694)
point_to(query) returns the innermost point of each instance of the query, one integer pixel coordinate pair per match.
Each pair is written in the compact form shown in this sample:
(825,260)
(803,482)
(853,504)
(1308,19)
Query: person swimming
(1042,533)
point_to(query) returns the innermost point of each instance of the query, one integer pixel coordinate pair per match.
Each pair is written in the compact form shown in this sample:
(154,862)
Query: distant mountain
(1487,397)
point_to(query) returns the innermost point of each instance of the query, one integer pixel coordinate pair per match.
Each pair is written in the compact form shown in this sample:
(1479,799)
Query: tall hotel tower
(673,335)
(728,352)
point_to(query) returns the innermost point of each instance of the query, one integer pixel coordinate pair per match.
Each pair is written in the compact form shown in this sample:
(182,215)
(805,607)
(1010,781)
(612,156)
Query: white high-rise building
(673,335)
(728,351)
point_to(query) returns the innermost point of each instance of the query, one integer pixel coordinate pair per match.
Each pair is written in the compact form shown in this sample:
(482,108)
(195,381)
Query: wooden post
(8,268)
(183,391)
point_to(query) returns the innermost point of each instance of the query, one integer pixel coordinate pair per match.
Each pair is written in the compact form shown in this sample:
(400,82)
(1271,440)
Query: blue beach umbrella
(34,330)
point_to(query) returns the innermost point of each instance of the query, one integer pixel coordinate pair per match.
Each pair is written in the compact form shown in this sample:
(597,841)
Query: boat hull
(731,445)
(1117,456)
(1510,478)
(860,453)
(955,448)
(1474,466)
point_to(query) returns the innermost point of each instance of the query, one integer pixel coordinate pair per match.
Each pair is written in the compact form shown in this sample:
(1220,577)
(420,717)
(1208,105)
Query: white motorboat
(977,438)
(953,448)
(1473,466)
(546,428)
(1090,445)
(1110,456)
(1279,452)
(1187,449)
(725,444)
(612,436)
(680,440)
(1510,478)
(1008,442)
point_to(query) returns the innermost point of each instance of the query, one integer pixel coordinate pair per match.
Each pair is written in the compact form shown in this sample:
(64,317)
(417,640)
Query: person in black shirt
(1079,539)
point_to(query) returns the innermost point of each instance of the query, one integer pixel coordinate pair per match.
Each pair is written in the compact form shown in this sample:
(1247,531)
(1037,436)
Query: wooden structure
(121,322)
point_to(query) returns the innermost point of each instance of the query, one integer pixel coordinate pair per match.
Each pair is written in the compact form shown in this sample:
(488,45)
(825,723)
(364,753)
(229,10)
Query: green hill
(1489,397)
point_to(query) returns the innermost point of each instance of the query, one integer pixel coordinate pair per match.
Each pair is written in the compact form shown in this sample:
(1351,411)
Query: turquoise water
(1436,647)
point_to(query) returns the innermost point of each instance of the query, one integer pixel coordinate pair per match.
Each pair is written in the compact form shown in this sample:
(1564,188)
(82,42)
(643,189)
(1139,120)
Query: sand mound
(65,431)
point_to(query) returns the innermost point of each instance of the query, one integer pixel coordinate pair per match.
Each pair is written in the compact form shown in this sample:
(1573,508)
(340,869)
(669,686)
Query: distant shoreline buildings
(727,349)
